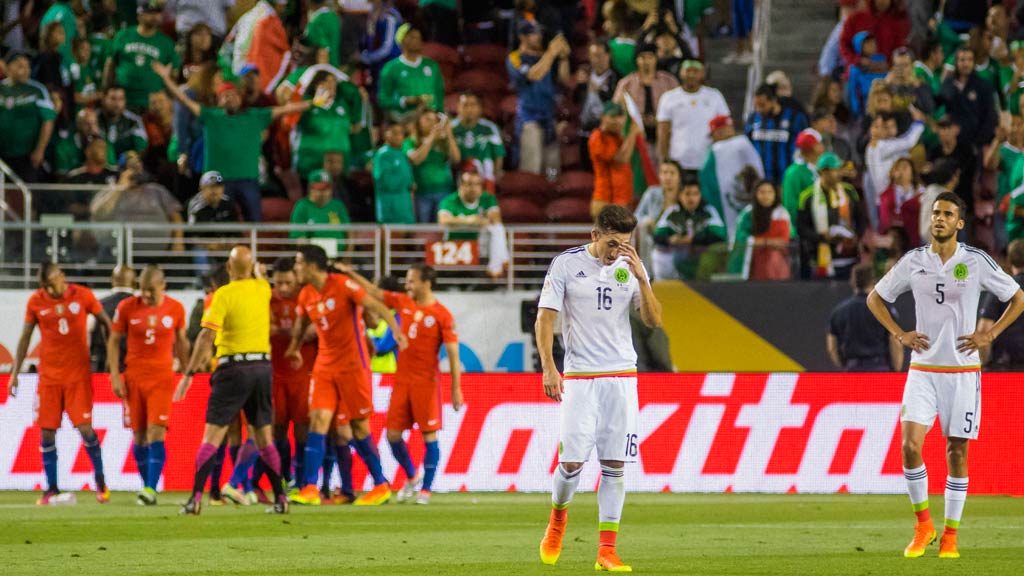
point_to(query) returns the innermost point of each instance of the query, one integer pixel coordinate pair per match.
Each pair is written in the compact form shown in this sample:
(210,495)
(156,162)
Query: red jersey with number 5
(427,328)
(150,332)
(63,326)
(337,313)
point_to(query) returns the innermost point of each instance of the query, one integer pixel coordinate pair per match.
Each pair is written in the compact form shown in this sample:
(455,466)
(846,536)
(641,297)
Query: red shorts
(73,396)
(345,391)
(291,400)
(418,404)
(149,400)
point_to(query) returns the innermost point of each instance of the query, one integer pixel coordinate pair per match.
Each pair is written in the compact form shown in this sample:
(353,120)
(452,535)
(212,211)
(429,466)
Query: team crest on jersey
(167,321)
(75,307)
(151,319)
(351,285)
(330,303)
(417,316)
(60,309)
(320,307)
(429,322)
(621,275)
(960,272)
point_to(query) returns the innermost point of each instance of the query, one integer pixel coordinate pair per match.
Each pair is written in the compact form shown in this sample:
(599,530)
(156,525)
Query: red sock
(949,531)
(607,538)
(923,515)
(558,516)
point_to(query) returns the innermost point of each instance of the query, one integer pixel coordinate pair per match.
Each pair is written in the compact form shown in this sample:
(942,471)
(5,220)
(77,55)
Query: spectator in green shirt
(323,30)
(320,207)
(133,51)
(433,151)
(479,139)
(328,126)
(60,11)
(233,138)
(123,130)
(84,80)
(27,117)
(393,181)
(471,207)
(412,81)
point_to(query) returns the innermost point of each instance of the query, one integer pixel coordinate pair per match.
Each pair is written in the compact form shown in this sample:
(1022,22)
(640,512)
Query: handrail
(26,215)
(759,45)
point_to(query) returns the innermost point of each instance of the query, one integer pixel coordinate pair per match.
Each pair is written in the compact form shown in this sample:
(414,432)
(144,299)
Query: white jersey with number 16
(594,303)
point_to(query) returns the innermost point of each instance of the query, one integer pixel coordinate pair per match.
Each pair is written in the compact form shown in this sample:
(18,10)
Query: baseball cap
(150,6)
(646,47)
(808,139)
(226,86)
(829,161)
(529,27)
(210,178)
(946,121)
(247,69)
(14,55)
(612,109)
(402,31)
(720,121)
(319,178)
(691,63)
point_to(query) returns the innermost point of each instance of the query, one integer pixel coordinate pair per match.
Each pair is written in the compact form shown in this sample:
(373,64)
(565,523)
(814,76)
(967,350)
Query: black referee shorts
(241,386)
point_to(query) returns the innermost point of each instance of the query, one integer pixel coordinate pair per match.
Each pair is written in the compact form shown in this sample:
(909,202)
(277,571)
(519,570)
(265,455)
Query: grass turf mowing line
(498,533)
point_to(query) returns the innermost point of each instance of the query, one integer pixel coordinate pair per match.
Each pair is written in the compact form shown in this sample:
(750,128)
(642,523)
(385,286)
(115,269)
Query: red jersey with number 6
(337,313)
(63,326)
(427,328)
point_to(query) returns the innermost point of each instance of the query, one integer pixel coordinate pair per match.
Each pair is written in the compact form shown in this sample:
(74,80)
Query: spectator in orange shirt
(610,154)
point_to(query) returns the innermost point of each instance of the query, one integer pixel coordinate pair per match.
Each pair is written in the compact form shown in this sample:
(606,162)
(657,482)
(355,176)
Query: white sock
(917,486)
(956,497)
(611,495)
(564,486)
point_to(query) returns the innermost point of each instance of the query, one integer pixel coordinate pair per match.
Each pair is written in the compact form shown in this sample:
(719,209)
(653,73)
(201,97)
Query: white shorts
(955,398)
(602,413)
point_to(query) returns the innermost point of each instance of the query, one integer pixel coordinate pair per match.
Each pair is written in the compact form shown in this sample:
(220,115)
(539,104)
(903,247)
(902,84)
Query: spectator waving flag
(645,173)
(258,38)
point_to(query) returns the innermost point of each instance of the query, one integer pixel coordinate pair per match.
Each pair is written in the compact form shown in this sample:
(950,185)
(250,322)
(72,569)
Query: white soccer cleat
(64,499)
(411,487)
(423,497)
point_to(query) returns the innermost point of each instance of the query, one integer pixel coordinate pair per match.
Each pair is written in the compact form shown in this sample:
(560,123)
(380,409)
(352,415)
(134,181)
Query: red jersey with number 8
(63,326)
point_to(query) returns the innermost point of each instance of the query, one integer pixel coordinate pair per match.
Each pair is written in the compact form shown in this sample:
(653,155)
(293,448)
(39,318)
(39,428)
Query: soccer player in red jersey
(416,396)
(340,385)
(154,326)
(291,385)
(61,311)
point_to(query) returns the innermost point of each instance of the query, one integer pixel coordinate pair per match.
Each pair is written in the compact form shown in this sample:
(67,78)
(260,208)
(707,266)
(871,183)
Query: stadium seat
(575,184)
(566,210)
(507,108)
(525,185)
(490,56)
(517,210)
(276,209)
(451,103)
(442,53)
(571,156)
(481,81)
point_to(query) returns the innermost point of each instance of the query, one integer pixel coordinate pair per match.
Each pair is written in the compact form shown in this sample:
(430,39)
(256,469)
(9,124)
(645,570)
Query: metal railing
(759,44)
(6,174)
(89,251)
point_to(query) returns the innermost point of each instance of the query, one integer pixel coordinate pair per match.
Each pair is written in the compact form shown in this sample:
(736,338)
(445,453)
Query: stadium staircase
(799,29)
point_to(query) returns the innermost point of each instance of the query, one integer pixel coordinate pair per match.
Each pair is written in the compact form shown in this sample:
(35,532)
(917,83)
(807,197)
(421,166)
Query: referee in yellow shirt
(239,319)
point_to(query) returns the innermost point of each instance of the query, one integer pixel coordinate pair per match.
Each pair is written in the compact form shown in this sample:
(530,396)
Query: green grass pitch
(497,533)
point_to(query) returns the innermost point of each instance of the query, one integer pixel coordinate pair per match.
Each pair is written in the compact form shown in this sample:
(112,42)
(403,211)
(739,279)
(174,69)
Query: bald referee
(239,318)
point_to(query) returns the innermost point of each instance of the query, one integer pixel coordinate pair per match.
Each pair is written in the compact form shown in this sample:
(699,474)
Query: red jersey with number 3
(337,313)
(150,332)
(63,326)
(427,328)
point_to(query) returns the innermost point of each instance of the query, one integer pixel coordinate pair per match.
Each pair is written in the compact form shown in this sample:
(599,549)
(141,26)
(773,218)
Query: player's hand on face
(457,403)
(628,252)
(553,387)
(182,389)
(12,385)
(117,384)
(973,342)
(403,342)
(915,341)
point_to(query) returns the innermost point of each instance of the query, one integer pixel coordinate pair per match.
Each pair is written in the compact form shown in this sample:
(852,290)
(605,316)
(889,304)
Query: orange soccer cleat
(380,494)
(309,496)
(103,496)
(551,544)
(924,534)
(947,546)
(609,561)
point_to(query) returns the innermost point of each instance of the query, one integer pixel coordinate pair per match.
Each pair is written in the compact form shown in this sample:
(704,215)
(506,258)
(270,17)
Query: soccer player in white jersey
(593,287)
(946,278)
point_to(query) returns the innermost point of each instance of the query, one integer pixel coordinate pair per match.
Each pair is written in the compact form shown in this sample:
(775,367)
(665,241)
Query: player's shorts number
(62,326)
(970,422)
(631,446)
(942,295)
(604,298)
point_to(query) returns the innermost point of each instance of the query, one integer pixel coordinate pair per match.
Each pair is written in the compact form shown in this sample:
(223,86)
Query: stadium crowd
(372,111)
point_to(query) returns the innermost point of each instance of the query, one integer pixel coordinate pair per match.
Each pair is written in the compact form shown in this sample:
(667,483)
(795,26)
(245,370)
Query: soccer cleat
(924,534)
(947,546)
(103,496)
(230,493)
(411,487)
(342,498)
(146,497)
(551,544)
(608,561)
(380,494)
(279,507)
(47,497)
(309,496)
(251,498)
(193,506)
(423,497)
(216,501)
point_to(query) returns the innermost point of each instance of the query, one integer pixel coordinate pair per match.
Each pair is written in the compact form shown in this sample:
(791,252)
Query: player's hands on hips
(12,385)
(973,342)
(553,387)
(403,341)
(117,384)
(457,402)
(633,261)
(182,389)
(915,341)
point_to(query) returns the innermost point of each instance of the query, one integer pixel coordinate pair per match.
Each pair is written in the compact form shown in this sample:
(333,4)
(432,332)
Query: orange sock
(607,538)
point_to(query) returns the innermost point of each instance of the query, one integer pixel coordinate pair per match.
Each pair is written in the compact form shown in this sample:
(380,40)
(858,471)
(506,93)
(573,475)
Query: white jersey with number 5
(594,302)
(946,300)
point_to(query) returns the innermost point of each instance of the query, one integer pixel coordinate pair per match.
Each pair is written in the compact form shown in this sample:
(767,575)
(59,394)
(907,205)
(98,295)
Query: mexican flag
(645,173)
(728,177)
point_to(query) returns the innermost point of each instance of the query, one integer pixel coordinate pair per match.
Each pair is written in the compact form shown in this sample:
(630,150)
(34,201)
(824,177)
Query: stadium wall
(786,432)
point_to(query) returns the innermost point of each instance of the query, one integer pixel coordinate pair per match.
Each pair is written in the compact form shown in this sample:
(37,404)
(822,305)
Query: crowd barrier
(776,433)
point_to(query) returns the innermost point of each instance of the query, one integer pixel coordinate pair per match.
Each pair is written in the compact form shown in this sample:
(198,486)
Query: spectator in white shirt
(683,117)
(884,148)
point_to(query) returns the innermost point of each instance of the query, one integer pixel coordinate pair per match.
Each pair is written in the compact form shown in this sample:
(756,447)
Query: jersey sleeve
(179,316)
(90,303)
(636,299)
(30,311)
(448,333)
(896,281)
(119,323)
(354,291)
(553,292)
(995,280)
(213,317)
(391,299)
